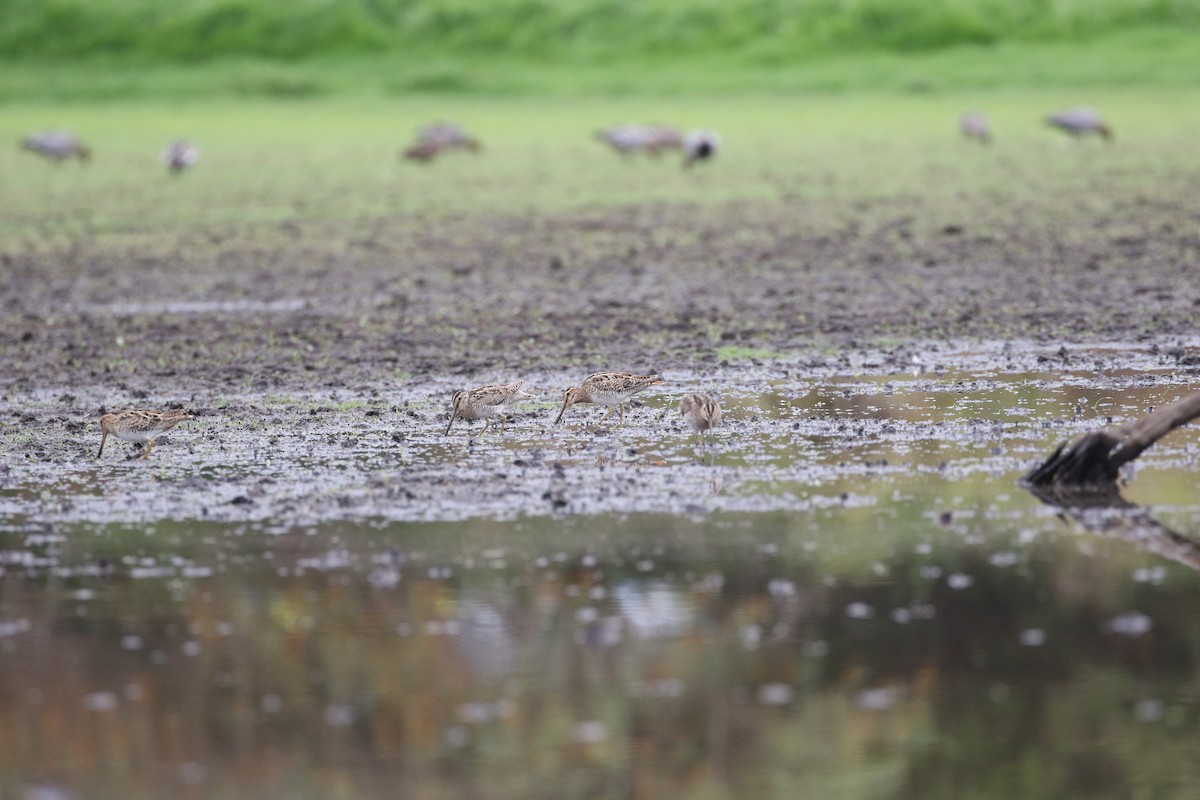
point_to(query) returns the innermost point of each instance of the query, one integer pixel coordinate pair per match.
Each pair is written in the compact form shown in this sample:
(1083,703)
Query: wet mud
(315,592)
(319,358)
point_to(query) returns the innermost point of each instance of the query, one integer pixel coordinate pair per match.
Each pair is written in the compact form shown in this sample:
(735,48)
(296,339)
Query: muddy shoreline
(320,358)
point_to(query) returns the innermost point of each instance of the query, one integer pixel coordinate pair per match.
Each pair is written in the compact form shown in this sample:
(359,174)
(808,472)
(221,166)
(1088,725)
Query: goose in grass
(423,151)
(1079,122)
(700,146)
(630,138)
(179,155)
(975,125)
(449,135)
(440,137)
(56,146)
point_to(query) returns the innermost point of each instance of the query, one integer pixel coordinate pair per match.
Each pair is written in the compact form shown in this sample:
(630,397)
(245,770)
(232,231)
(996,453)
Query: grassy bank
(1138,59)
(577,30)
(337,158)
(104,49)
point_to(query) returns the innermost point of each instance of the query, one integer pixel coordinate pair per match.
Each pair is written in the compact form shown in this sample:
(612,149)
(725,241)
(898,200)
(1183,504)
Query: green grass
(101,50)
(594,31)
(327,161)
(1147,57)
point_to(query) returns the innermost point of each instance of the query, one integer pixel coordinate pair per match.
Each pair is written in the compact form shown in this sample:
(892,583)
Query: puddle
(646,649)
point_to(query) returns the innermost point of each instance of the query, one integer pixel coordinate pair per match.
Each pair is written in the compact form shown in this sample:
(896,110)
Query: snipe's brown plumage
(609,389)
(701,412)
(139,425)
(485,402)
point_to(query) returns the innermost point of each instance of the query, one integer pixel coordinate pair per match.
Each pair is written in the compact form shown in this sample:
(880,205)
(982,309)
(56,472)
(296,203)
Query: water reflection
(981,651)
(1105,511)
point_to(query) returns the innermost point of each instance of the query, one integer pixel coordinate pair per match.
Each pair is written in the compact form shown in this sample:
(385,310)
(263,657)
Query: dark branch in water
(1095,458)
(1102,510)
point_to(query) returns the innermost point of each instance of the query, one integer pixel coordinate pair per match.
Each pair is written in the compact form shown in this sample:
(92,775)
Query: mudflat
(319,351)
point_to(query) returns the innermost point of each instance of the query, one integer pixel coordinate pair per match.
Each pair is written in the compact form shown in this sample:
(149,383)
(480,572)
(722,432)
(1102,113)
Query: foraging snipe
(485,402)
(139,425)
(702,412)
(606,389)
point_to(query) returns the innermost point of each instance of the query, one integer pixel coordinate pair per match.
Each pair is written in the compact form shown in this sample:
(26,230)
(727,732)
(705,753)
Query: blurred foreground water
(965,651)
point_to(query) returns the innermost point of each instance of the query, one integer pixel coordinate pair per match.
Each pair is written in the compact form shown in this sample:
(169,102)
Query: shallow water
(849,596)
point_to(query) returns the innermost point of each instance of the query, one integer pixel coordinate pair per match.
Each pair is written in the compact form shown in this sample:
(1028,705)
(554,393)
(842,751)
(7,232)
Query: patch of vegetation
(574,30)
(275,84)
(443,81)
(276,173)
(108,48)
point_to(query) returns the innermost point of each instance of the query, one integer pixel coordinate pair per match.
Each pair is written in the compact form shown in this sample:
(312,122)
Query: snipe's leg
(149,447)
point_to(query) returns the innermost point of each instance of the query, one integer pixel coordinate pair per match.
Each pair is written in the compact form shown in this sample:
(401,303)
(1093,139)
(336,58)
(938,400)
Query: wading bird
(139,425)
(484,403)
(609,389)
(702,413)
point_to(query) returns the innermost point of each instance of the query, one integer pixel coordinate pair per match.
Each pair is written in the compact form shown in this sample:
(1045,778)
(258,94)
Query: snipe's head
(701,411)
(107,422)
(571,396)
(456,405)
(107,426)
